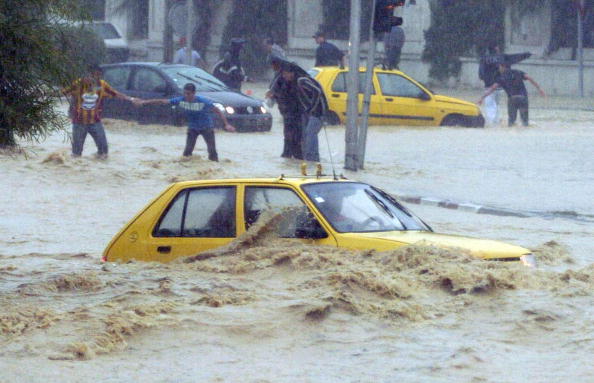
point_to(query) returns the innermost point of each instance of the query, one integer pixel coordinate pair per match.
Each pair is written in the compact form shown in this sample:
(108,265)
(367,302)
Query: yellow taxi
(396,99)
(195,216)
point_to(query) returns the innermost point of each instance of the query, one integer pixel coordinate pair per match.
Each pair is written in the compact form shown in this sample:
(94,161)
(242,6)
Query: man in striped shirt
(86,96)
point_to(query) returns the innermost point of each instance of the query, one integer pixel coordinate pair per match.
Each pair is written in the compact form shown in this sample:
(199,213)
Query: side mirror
(424,96)
(310,229)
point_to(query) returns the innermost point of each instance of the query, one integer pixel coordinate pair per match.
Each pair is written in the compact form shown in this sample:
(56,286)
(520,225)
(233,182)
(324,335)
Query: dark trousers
(393,57)
(293,135)
(515,104)
(209,138)
(79,134)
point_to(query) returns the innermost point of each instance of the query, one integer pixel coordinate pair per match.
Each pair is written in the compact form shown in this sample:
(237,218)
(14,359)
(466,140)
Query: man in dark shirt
(284,93)
(512,81)
(327,53)
(312,103)
(229,70)
(488,72)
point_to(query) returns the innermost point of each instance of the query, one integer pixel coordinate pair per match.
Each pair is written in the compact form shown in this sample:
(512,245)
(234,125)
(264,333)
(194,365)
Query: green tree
(41,51)
(461,28)
(254,20)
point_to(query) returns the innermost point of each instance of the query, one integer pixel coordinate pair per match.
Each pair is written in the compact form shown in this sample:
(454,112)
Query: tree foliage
(337,14)
(254,20)
(461,28)
(41,51)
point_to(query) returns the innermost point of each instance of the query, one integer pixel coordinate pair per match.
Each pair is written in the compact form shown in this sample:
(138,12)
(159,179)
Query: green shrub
(458,28)
(254,20)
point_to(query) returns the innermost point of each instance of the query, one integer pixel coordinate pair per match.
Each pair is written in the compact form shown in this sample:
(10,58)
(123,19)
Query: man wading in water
(198,114)
(512,81)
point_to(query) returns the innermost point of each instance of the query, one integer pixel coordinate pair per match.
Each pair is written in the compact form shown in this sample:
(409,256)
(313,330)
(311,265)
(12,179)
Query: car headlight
(219,106)
(263,110)
(230,110)
(528,260)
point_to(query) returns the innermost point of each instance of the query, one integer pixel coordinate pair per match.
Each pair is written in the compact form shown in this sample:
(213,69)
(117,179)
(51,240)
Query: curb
(467,207)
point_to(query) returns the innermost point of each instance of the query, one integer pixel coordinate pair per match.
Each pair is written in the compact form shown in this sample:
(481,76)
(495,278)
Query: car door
(118,77)
(148,83)
(196,220)
(338,96)
(296,218)
(405,103)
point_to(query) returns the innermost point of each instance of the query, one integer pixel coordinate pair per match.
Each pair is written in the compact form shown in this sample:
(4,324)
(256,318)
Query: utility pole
(368,87)
(167,35)
(351,136)
(580,47)
(189,31)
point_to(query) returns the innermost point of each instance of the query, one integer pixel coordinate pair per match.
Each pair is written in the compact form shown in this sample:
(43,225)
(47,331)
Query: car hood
(453,100)
(481,248)
(233,99)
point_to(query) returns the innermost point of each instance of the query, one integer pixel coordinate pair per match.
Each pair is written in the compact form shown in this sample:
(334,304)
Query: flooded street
(280,311)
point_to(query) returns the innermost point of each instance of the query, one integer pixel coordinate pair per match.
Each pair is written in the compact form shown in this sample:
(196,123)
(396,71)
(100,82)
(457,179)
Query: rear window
(204,81)
(340,83)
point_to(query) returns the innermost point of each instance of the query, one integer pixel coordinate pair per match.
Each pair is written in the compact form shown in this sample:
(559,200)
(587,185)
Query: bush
(254,20)
(38,55)
(458,28)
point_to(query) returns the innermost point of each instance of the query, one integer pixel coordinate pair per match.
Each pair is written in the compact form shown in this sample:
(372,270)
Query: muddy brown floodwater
(264,309)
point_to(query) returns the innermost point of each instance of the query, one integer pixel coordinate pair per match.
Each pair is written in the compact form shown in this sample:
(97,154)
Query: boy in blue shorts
(198,112)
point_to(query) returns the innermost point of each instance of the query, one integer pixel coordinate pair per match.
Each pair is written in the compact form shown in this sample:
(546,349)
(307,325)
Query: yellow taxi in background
(195,216)
(396,99)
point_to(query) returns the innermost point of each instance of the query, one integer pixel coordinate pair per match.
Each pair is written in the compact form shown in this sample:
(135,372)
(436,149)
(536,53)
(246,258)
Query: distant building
(143,24)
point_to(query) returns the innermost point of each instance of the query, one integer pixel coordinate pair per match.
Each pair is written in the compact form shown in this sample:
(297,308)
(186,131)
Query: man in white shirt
(180,56)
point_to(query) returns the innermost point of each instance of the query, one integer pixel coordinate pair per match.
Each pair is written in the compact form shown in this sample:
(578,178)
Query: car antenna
(330,154)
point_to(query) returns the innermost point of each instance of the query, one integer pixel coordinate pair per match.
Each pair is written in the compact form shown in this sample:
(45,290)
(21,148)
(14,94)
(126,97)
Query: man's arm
(488,92)
(114,93)
(155,101)
(228,127)
(531,80)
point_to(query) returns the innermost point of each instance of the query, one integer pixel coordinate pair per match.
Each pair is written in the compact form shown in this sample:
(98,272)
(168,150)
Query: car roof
(150,63)
(294,181)
(361,69)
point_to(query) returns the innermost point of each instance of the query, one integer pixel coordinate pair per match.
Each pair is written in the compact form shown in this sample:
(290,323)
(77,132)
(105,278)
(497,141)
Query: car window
(204,81)
(170,224)
(398,86)
(117,77)
(340,83)
(356,208)
(313,72)
(277,200)
(148,80)
(203,212)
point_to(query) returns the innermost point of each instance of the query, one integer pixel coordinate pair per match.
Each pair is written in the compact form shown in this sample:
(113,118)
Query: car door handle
(164,249)
(336,95)
(389,99)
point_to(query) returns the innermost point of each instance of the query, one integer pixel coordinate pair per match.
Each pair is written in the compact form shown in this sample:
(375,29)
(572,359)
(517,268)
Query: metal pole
(367,96)
(167,35)
(189,30)
(580,46)
(351,160)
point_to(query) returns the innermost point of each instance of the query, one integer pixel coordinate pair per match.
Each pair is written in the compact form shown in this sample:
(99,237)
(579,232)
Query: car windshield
(358,208)
(104,30)
(204,81)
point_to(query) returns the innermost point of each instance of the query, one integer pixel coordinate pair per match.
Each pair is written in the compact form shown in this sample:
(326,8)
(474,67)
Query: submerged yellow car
(195,216)
(396,99)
